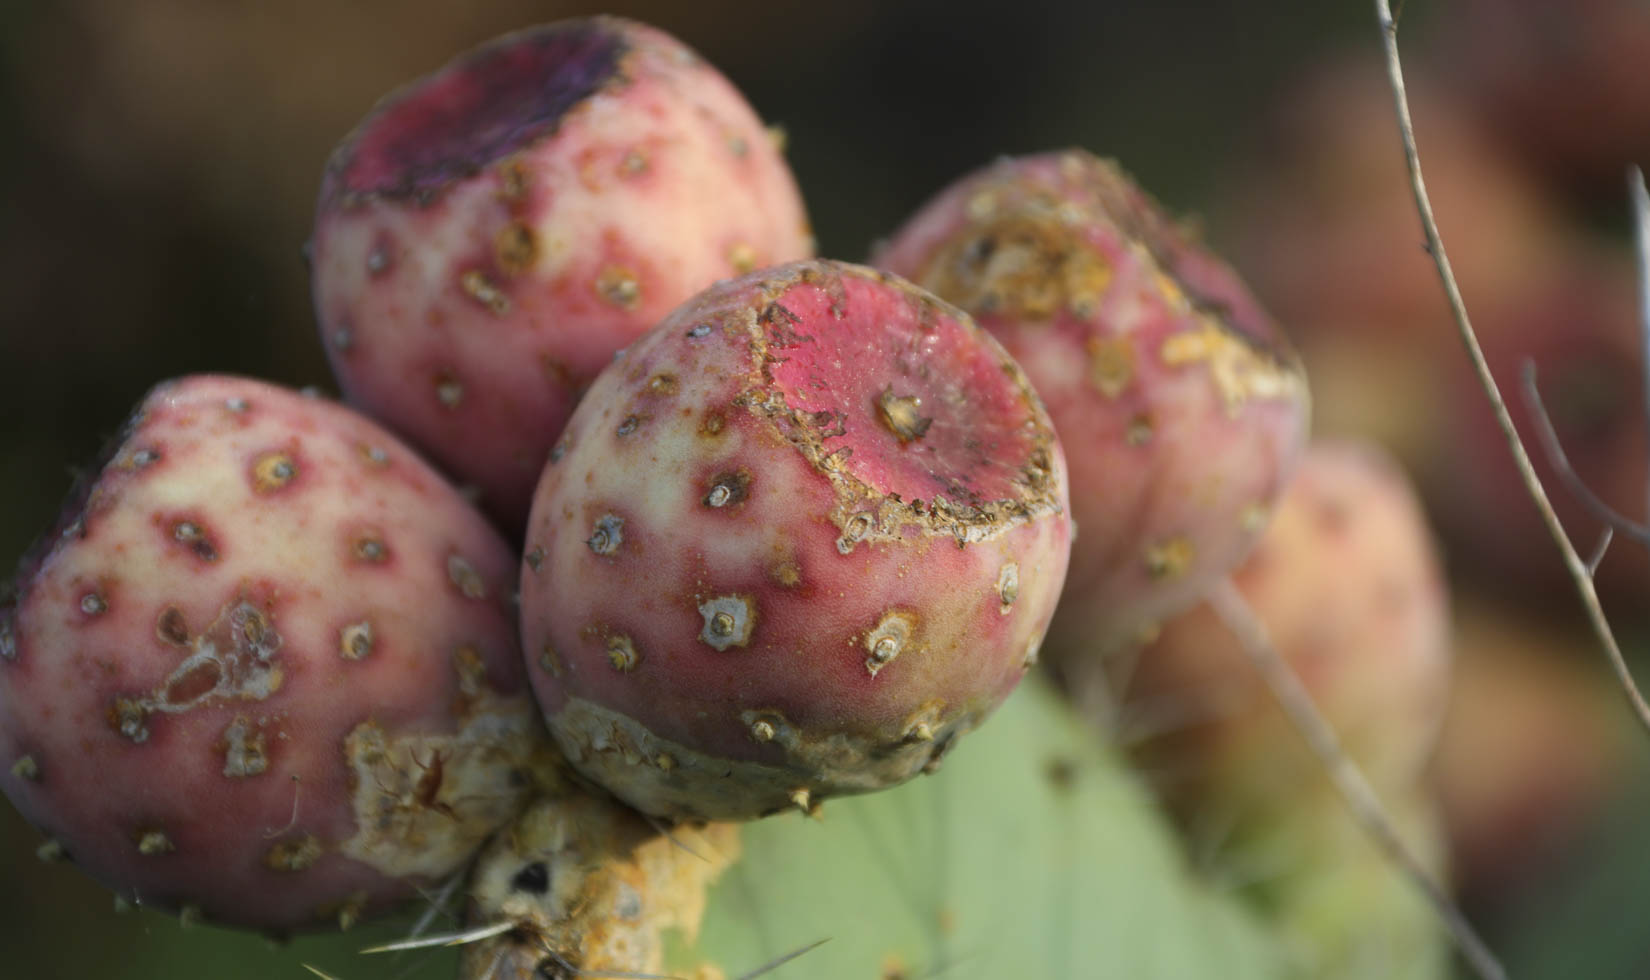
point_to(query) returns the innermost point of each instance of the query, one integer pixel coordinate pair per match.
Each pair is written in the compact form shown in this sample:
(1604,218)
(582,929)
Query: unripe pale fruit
(1347,582)
(1181,405)
(797,540)
(265,670)
(491,234)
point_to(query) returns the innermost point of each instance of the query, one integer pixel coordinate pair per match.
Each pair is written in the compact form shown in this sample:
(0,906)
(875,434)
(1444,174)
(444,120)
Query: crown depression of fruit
(265,670)
(797,540)
(489,235)
(1182,406)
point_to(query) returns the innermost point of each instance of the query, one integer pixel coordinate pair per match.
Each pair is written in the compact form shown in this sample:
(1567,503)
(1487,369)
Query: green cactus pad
(1031,853)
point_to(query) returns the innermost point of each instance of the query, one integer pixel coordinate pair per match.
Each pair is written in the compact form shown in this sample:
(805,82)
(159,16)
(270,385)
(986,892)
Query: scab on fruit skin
(607,535)
(729,621)
(272,471)
(370,548)
(728,488)
(294,855)
(1008,585)
(888,640)
(464,575)
(152,843)
(622,654)
(355,640)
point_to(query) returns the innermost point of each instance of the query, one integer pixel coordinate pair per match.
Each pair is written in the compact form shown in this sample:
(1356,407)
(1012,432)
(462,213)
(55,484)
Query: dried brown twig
(1612,519)
(1579,571)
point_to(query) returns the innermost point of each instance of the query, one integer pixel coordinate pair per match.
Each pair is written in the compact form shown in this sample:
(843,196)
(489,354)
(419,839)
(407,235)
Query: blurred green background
(161,158)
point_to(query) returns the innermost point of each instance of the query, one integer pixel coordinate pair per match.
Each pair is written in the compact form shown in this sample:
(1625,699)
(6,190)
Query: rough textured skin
(1181,405)
(590,886)
(1348,584)
(799,538)
(265,670)
(491,234)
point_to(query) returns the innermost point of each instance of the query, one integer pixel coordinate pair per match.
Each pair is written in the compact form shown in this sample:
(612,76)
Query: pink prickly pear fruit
(795,542)
(1348,584)
(265,670)
(1181,404)
(491,234)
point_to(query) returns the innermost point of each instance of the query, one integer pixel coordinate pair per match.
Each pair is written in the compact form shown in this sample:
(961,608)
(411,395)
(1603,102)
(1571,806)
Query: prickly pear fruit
(491,234)
(798,539)
(265,670)
(1182,405)
(1348,584)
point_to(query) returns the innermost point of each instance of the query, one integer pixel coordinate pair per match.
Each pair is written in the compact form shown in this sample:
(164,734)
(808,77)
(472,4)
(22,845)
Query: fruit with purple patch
(265,670)
(1182,406)
(794,543)
(491,234)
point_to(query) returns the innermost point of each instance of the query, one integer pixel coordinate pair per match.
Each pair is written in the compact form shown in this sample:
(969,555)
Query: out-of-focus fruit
(1347,582)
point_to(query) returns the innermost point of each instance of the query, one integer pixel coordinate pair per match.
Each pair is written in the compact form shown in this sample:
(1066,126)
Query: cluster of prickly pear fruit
(807,529)
(815,532)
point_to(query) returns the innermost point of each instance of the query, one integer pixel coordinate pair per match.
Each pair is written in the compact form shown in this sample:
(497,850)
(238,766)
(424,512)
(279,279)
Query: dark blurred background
(160,161)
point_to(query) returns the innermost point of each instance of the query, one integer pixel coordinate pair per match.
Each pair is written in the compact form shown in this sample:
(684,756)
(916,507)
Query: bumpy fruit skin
(265,671)
(796,541)
(491,234)
(1348,584)
(1181,405)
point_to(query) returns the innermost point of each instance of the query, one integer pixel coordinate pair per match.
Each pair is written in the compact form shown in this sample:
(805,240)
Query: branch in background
(1548,436)
(1641,246)
(1578,569)
(1235,611)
